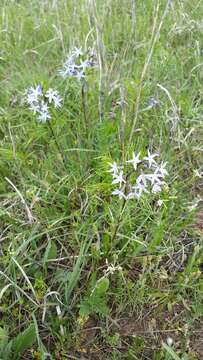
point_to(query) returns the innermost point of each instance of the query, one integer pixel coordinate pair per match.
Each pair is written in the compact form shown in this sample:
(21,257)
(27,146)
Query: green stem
(84,110)
(119,220)
(57,144)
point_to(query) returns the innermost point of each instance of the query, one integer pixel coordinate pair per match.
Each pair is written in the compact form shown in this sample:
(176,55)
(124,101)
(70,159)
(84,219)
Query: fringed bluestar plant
(77,63)
(39,102)
(147,176)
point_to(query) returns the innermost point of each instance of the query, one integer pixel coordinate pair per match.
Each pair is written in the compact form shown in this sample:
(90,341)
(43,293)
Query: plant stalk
(57,144)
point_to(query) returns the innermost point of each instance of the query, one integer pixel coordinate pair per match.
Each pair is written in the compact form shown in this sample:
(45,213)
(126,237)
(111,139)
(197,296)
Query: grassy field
(85,274)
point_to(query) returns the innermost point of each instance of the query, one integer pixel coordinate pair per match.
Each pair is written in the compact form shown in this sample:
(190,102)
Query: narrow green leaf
(170,351)
(3,344)
(192,260)
(43,351)
(6,352)
(3,336)
(75,274)
(102,287)
(157,237)
(85,308)
(24,340)
(51,251)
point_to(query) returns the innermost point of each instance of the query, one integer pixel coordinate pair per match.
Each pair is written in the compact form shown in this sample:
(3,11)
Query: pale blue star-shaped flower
(118,179)
(135,160)
(119,193)
(150,158)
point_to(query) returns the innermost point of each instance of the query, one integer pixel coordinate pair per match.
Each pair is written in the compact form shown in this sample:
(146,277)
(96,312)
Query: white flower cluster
(77,63)
(147,175)
(39,102)
(111,269)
